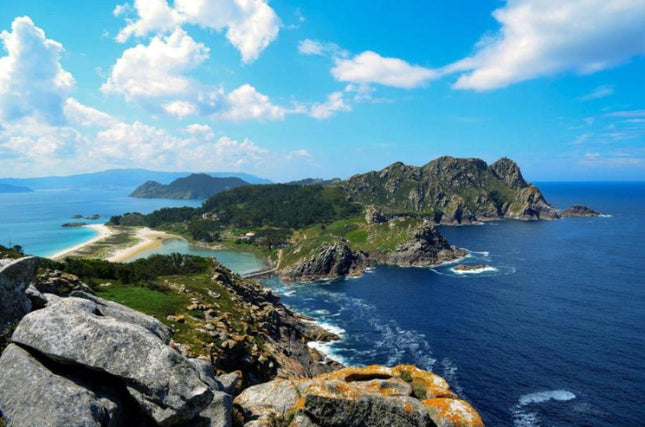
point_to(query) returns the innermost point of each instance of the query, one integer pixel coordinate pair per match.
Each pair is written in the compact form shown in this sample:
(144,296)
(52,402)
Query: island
(315,231)
(194,186)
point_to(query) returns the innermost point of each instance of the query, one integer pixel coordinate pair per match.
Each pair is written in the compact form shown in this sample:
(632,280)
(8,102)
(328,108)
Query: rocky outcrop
(374,395)
(508,172)
(529,204)
(427,247)
(15,277)
(329,260)
(59,283)
(579,211)
(374,215)
(81,332)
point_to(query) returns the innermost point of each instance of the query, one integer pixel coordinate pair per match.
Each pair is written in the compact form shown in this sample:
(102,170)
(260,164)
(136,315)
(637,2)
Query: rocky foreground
(78,360)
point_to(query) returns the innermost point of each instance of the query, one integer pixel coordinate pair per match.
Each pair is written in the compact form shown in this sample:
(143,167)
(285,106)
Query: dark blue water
(556,336)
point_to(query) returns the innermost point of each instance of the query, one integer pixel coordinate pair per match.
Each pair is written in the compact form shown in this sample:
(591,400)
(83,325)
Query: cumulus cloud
(32,79)
(83,115)
(156,75)
(547,37)
(370,67)
(335,103)
(246,103)
(157,69)
(251,25)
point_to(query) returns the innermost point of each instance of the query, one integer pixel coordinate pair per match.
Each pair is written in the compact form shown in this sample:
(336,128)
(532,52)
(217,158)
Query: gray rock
(205,371)
(217,414)
(38,300)
(32,395)
(231,383)
(272,399)
(128,315)
(15,277)
(83,332)
(330,260)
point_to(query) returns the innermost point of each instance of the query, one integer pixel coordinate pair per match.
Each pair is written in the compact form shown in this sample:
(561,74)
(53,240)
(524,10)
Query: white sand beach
(103,231)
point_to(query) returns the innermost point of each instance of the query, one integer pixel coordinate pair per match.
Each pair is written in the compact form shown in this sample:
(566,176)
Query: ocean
(555,335)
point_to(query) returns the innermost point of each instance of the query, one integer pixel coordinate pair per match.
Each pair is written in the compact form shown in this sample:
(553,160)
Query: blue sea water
(555,336)
(33,220)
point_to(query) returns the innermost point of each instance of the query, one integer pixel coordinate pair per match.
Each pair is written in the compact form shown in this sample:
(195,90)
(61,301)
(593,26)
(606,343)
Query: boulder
(373,395)
(33,395)
(108,338)
(218,413)
(60,283)
(127,315)
(231,382)
(15,277)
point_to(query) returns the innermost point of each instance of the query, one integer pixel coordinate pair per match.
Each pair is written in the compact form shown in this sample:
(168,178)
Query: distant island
(8,188)
(194,186)
(314,231)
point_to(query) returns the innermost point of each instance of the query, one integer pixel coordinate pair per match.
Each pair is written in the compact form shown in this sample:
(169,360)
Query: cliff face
(329,260)
(451,191)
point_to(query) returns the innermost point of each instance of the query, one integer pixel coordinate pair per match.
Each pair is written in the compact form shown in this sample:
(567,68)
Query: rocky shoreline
(76,359)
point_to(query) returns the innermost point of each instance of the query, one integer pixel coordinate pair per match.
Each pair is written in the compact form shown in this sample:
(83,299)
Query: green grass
(152,302)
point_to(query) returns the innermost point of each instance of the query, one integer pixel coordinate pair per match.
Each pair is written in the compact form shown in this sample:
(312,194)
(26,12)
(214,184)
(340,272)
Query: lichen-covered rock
(15,277)
(101,337)
(60,283)
(373,395)
(30,394)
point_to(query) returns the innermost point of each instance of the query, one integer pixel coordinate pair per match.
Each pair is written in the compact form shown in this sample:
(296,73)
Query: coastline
(145,240)
(103,231)
(148,239)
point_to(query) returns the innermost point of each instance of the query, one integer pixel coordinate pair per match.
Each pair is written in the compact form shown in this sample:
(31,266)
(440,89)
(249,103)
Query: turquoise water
(239,262)
(33,220)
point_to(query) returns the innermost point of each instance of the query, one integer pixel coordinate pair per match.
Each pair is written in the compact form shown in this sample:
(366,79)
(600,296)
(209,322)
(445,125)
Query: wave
(545,396)
(524,418)
(606,216)
(289,293)
(486,269)
(325,348)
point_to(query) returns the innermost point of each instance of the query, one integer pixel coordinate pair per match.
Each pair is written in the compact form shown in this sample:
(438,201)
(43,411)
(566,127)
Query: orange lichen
(455,412)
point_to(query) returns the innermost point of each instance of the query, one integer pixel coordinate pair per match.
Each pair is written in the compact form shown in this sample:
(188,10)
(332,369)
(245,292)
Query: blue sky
(288,90)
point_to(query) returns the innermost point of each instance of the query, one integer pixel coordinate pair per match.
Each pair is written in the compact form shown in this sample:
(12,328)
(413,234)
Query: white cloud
(627,113)
(602,91)
(370,67)
(246,103)
(32,80)
(251,25)
(158,69)
(82,115)
(180,109)
(546,37)
(335,102)
(313,47)
(154,15)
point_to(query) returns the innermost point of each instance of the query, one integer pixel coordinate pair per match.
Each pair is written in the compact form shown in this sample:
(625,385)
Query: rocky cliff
(451,191)
(80,360)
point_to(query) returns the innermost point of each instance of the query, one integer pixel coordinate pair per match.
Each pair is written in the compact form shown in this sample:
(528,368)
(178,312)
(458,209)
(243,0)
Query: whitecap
(289,293)
(486,269)
(605,216)
(545,396)
(325,348)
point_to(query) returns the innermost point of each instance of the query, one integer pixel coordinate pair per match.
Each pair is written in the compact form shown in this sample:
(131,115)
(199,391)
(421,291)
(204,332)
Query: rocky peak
(508,171)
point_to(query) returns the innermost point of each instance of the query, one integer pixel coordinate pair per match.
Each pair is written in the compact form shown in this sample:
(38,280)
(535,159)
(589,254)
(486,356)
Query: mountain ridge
(194,186)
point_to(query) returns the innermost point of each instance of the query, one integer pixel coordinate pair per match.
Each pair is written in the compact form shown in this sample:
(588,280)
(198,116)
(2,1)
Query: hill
(450,190)
(195,186)
(127,178)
